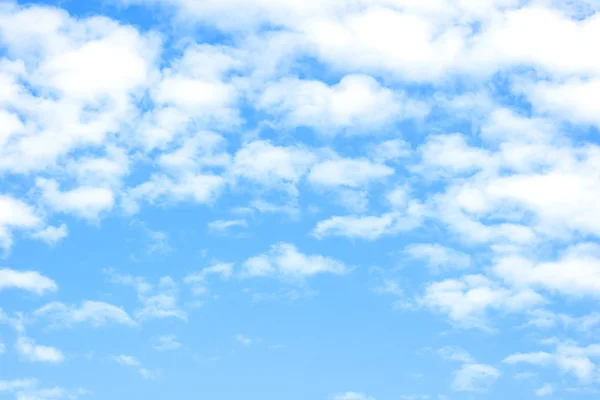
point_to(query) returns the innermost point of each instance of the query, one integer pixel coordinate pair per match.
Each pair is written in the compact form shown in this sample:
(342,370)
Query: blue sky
(318,199)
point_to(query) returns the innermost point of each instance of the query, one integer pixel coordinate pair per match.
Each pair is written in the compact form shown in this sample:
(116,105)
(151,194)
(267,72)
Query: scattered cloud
(167,342)
(285,261)
(96,313)
(31,281)
(30,351)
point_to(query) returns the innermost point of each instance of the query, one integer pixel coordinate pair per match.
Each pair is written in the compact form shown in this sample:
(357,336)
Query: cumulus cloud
(568,356)
(436,256)
(285,261)
(156,301)
(357,103)
(468,301)
(31,281)
(30,351)
(96,313)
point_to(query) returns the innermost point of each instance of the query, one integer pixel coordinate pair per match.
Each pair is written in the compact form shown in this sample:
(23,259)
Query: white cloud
(30,351)
(393,150)
(545,390)
(364,227)
(243,339)
(132,362)
(575,273)
(285,261)
(456,354)
(28,389)
(52,234)
(128,361)
(31,281)
(80,94)
(352,396)
(347,172)
(96,313)
(198,280)
(168,342)
(157,301)
(224,225)
(436,256)
(357,103)
(475,378)
(199,188)
(568,357)
(15,214)
(270,165)
(86,202)
(467,301)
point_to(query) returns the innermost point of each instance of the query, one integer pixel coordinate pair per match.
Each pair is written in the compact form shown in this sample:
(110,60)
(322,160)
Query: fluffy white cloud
(28,389)
(52,234)
(436,256)
(87,202)
(157,301)
(15,214)
(568,357)
(358,103)
(31,281)
(30,351)
(285,261)
(96,313)
(468,300)
(224,225)
(81,92)
(271,165)
(347,172)
(576,272)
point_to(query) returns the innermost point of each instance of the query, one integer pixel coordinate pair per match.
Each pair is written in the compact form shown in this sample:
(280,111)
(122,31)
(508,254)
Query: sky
(299,199)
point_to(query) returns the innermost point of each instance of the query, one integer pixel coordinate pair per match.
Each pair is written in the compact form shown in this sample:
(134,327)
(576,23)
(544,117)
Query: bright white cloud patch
(96,313)
(31,281)
(437,257)
(358,103)
(285,261)
(30,351)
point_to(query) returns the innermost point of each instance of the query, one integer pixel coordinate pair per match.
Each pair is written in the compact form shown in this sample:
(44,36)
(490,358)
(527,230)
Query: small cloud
(456,354)
(222,226)
(352,396)
(33,352)
(243,339)
(51,234)
(475,378)
(132,362)
(31,281)
(546,390)
(168,342)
